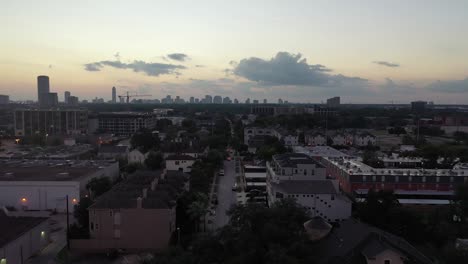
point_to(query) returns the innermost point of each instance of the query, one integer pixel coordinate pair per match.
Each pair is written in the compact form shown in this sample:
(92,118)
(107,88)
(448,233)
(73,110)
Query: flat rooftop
(13,227)
(354,166)
(291,160)
(49,170)
(319,151)
(306,187)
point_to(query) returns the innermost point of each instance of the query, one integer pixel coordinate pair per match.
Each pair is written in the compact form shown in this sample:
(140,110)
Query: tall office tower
(197,100)
(247,101)
(208,99)
(66,97)
(51,100)
(280,101)
(255,101)
(43,88)
(192,100)
(333,102)
(236,101)
(114,95)
(265,101)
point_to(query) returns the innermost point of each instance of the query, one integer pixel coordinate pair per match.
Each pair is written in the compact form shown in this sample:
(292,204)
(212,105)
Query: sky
(366,51)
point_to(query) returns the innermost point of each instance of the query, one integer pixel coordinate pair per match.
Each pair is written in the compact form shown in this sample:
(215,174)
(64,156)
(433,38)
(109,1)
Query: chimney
(139,203)
(145,193)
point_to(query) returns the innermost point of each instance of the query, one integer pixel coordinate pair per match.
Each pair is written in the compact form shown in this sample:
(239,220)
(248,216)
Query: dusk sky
(303,51)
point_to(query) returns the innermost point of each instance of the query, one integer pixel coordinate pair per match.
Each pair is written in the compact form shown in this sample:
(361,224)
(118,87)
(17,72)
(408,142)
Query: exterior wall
(28,122)
(185,165)
(135,156)
(315,140)
(28,244)
(133,229)
(364,141)
(250,132)
(331,207)
(302,172)
(39,195)
(339,141)
(125,124)
(393,256)
(291,140)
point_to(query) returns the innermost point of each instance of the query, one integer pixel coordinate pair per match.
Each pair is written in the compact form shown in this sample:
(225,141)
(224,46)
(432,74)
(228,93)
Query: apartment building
(50,121)
(136,215)
(125,123)
(296,175)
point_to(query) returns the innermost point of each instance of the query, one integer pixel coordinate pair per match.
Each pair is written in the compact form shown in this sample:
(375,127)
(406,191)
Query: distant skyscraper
(43,88)
(51,100)
(265,101)
(227,100)
(255,101)
(236,101)
(4,99)
(192,100)
(333,102)
(208,99)
(66,97)
(280,101)
(247,101)
(197,100)
(418,106)
(217,99)
(114,95)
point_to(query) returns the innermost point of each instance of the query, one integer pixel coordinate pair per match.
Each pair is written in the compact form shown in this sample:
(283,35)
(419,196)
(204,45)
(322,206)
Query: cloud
(199,66)
(178,56)
(290,69)
(450,86)
(151,69)
(387,64)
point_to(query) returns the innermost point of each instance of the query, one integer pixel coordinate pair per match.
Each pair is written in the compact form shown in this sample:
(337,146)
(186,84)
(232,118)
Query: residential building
(45,184)
(342,139)
(364,139)
(315,139)
(250,132)
(50,121)
(137,156)
(21,237)
(125,123)
(411,185)
(289,139)
(180,162)
(296,175)
(252,185)
(136,215)
(353,241)
(333,102)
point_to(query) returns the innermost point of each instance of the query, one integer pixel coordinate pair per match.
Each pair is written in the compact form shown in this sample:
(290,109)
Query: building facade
(50,121)
(182,163)
(125,123)
(296,175)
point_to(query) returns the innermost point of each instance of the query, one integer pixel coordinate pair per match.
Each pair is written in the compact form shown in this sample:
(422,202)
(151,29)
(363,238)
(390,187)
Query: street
(226,197)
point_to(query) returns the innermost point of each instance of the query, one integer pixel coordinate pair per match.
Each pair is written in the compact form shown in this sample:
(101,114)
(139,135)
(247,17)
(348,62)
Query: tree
(154,160)
(81,212)
(98,186)
(198,208)
(144,140)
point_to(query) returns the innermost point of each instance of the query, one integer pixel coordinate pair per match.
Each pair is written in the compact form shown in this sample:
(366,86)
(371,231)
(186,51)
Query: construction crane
(128,95)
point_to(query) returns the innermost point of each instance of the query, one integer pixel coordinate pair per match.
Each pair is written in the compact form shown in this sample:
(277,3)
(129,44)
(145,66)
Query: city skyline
(299,51)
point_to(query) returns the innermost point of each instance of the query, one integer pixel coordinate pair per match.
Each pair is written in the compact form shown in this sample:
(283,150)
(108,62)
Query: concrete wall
(27,244)
(39,195)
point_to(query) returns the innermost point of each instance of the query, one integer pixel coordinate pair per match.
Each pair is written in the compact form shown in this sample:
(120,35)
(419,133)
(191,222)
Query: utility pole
(68,225)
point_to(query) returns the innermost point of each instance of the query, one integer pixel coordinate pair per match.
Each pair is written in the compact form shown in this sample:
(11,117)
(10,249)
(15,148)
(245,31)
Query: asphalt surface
(226,197)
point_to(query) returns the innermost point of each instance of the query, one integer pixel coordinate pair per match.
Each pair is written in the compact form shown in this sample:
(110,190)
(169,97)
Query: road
(226,197)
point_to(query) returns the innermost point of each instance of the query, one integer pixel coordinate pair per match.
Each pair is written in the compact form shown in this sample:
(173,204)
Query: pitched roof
(351,240)
(291,160)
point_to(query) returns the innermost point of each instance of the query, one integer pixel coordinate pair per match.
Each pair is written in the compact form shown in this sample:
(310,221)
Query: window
(387,261)
(91,225)
(333,197)
(97,226)
(305,172)
(110,212)
(177,162)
